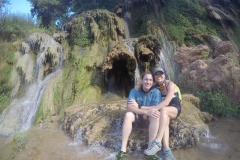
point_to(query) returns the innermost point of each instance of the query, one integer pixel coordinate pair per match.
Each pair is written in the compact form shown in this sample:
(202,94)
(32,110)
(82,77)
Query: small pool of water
(39,143)
(221,143)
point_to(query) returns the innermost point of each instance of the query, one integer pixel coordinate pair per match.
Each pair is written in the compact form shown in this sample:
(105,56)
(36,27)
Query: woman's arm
(169,96)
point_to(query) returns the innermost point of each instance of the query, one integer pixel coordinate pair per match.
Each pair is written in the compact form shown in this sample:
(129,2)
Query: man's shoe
(151,157)
(121,155)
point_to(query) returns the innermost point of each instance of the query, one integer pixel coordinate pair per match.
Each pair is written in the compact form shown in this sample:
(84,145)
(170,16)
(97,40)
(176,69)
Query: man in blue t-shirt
(145,96)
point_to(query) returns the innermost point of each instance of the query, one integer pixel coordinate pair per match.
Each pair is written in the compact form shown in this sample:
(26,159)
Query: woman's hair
(147,72)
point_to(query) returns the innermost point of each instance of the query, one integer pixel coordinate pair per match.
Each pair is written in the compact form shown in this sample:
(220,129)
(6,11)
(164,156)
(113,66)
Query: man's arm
(132,106)
(149,112)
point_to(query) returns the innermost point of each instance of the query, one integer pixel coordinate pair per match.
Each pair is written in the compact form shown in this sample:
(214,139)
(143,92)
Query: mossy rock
(95,26)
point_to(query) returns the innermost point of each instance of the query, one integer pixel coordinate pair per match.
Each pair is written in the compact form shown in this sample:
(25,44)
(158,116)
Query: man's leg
(127,129)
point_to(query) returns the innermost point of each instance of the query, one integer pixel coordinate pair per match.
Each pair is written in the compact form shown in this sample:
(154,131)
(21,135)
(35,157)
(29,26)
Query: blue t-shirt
(151,98)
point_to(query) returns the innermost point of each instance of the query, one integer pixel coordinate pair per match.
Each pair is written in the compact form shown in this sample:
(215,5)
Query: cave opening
(121,76)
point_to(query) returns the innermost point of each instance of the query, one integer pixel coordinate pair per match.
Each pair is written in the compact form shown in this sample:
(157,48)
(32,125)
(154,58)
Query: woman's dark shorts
(175,102)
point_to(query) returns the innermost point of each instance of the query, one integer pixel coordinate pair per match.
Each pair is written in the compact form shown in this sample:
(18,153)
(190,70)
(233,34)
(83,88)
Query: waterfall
(166,64)
(77,139)
(163,59)
(129,44)
(166,59)
(18,116)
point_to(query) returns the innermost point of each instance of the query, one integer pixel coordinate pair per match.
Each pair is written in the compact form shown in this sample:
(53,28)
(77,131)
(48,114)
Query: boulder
(219,73)
(100,124)
(212,40)
(222,47)
(186,55)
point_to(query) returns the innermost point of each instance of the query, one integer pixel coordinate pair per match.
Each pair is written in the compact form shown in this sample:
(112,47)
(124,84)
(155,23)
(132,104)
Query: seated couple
(156,104)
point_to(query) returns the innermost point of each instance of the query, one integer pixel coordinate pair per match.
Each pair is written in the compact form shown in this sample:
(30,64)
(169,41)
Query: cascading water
(166,53)
(129,43)
(166,64)
(166,59)
(18,116)
(77,139)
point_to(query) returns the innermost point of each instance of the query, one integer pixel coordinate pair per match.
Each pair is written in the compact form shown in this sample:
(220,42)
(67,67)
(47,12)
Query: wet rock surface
(100,124)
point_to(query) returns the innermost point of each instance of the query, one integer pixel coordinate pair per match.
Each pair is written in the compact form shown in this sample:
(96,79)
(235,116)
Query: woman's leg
(166,113)
(153,129)
(127,129)
(165,140)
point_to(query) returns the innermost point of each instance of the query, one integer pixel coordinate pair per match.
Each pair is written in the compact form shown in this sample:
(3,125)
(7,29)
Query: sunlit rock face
(95,26)
(207,71)
(38,56)
(102,123)
(186,55)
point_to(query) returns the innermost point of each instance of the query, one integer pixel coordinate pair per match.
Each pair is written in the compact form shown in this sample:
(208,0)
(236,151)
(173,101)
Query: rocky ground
(101,124)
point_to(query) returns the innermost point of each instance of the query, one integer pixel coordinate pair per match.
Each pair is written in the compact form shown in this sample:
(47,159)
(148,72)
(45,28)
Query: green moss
(80,81)
(20,140)
(80,34)
(39,115)
(13,148)
(95,26)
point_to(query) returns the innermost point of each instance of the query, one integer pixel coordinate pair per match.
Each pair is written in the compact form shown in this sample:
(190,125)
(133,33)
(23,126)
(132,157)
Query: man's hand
(153,113)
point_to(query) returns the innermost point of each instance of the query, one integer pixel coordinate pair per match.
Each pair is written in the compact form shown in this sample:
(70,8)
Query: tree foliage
(48,12)
(58,11)
(3,3)
(14,26)
(79,6)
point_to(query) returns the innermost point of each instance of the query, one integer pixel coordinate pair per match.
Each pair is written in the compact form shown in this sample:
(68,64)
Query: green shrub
(177,33)
(7,52)
(218,104)
(21,140)
(7,59)
(187,21)
(15,26)
(5,86)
